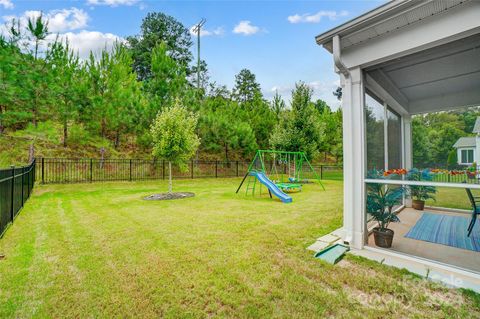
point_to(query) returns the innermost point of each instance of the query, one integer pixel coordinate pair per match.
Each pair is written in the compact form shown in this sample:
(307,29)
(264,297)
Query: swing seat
(289,187)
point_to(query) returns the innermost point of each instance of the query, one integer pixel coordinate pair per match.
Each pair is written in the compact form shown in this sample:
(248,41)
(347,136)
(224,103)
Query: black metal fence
(62,170)
(16,184)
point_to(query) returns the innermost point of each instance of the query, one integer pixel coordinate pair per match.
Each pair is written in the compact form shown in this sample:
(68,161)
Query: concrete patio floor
(462,258)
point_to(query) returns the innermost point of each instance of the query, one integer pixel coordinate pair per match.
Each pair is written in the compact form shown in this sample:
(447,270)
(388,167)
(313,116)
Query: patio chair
(475,201)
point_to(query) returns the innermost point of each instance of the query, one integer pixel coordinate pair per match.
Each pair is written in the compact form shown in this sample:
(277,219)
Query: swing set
(285,169)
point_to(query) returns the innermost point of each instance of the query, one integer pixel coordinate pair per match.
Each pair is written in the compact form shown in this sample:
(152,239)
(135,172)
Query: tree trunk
(65,133)
(169,177)
(36,48)
(117,139)
(103,127)
(34,112)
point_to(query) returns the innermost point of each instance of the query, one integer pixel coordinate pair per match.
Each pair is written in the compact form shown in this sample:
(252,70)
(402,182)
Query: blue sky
(274,39)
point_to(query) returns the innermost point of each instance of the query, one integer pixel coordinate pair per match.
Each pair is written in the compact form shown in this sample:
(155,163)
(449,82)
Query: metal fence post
(321,171)
(216,169)
(237,169)
(12,185)
(29,185)
(191,167)
(43,170)
(130,170)
(91,170)
(23,182)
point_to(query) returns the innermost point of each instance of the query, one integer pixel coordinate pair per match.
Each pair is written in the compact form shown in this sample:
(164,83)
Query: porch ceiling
(444,77)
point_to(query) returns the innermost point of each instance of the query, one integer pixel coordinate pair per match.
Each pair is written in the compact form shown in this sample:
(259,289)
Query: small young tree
(174,137)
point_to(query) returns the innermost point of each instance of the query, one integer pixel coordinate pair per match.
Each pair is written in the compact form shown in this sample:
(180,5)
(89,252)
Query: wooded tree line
(434,135)
(118,94)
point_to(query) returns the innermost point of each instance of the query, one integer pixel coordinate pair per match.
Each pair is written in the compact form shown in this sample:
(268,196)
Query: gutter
(358,22)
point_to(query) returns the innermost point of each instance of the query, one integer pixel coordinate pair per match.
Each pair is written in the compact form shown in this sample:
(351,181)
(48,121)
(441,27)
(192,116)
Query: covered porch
(403,59)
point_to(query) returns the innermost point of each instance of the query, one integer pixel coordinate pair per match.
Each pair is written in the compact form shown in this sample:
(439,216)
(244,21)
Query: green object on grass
(332,254)
(289,186)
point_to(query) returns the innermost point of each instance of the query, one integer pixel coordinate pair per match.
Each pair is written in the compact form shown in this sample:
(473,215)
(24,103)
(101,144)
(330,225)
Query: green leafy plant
(174,137)
(421,192)
(381,199)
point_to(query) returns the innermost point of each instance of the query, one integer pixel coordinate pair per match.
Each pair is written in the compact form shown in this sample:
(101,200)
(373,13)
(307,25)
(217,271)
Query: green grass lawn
(99,250)
(452,198)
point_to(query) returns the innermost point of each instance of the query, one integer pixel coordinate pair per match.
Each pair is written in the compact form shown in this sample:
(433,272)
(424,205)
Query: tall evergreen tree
(300,128)
(246,89)
(159,28)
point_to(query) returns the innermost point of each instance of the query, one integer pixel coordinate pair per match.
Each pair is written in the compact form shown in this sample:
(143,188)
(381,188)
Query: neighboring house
(468,148)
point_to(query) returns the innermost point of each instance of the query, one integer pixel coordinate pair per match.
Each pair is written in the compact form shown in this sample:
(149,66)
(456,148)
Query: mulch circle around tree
(168,196)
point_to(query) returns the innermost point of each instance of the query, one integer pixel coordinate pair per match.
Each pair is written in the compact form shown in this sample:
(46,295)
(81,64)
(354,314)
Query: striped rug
(446,230)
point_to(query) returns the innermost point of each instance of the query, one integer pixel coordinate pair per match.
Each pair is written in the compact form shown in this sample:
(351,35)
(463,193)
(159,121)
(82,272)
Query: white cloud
(58,20)
(67,24)
(317,17)
(245,27)
(112,3)
(205,33)
(67,19)
(85,41)
(7,4)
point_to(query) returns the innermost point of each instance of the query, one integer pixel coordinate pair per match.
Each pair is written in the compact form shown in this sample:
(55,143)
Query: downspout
(336,48)
(337,56)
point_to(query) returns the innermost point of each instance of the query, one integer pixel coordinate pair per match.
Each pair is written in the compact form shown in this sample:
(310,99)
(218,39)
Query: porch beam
(395,103)
(445,102)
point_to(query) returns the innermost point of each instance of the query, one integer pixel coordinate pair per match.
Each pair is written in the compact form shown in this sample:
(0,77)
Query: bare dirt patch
(169,196)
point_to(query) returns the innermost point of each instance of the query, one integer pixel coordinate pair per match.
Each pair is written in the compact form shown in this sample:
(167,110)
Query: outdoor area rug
(446,230)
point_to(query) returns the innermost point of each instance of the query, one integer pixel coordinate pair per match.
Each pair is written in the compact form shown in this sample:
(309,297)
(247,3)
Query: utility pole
(197,29)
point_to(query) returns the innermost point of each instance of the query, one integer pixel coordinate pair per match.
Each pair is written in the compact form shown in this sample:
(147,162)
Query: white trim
(460,150)
(418,183)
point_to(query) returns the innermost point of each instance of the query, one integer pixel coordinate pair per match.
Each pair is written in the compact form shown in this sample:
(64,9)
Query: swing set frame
(291,162)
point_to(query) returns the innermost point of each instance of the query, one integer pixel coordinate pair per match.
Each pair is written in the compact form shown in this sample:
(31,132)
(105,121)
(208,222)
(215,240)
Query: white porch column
(407,142)
(353,158)
(407,150)
(477,150)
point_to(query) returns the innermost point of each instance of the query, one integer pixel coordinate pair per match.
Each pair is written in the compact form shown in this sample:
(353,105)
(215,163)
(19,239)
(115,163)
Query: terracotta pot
(383,238)
(418,204)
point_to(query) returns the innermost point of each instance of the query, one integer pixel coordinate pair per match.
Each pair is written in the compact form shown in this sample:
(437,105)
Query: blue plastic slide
(272,187)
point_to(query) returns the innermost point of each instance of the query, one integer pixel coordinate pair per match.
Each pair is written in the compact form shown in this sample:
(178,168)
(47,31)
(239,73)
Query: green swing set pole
(314,173)
(248,172)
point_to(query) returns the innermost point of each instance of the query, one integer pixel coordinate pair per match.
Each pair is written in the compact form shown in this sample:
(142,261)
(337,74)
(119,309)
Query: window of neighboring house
(467,156)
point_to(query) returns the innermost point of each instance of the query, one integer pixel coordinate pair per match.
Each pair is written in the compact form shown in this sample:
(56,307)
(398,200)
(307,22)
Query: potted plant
(420,193)
(380,202)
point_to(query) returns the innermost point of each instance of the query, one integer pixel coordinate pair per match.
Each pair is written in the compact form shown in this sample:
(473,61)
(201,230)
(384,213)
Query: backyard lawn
(99,250)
